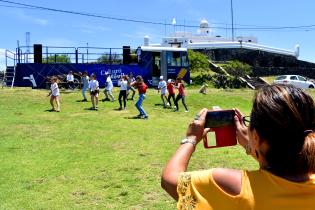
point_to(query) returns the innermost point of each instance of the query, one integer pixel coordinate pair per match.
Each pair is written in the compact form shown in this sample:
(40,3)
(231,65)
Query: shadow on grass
(49,110)
(90,109)
(166,107)
(119,109)
(67,91)
(81,101)
(133,118)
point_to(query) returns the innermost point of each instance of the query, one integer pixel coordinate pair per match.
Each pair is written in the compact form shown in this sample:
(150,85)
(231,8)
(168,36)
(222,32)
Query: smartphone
(219,118)
(223,129)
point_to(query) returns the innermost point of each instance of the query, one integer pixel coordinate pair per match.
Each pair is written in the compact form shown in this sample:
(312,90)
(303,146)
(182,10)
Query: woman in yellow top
(280,137)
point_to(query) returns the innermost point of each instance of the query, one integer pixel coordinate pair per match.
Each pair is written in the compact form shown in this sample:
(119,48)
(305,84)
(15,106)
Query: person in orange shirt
(280,137)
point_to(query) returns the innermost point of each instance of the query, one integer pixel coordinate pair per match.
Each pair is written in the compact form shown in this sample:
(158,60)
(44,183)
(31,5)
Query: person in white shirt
(85,84)
(94,91)
(163,88)
(131,79)
(70,80)
(108,88)
(54,95)
(123,83)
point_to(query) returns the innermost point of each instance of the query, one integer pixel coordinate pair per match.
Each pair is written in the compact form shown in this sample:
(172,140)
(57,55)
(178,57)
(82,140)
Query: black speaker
(38,56)
(126,55)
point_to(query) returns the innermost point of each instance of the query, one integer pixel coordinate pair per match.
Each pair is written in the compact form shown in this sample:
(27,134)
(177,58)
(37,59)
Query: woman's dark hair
(283,116)
(139,78)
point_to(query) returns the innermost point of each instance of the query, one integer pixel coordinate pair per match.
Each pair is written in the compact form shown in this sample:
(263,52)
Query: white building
(203,40)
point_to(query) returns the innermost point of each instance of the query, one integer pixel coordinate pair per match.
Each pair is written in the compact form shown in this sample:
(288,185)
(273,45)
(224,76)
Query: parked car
(295,80)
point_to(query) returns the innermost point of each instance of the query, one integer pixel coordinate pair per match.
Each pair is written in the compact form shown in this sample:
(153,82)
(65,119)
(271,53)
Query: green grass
(80,159)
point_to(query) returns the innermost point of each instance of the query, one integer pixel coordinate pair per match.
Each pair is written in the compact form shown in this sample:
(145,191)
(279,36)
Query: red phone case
(225,136)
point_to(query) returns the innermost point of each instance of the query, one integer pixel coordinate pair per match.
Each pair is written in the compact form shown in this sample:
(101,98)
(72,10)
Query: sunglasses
(246,120)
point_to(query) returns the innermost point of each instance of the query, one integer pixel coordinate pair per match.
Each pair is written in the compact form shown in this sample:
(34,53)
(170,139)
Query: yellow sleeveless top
(260,190)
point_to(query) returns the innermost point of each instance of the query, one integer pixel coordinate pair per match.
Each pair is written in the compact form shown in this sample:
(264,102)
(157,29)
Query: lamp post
(232,20)
(87,52)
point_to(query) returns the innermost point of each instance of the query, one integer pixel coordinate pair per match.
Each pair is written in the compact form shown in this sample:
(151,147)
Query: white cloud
(2,59)
(2,52)
(58,42)
(93,29)
(22,16)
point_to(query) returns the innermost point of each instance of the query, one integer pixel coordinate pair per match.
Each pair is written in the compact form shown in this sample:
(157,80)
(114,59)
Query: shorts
(94,93)
(164,92)
(54,97)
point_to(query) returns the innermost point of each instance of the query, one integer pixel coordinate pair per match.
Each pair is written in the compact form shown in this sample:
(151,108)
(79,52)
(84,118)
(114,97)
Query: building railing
(53,54)
(10,58)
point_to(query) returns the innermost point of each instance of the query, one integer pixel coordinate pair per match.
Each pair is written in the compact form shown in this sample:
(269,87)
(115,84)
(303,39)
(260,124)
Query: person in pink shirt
(181,94)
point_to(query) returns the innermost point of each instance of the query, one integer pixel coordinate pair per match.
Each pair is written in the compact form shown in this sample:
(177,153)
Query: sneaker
(120,108)
(186,110)
(96,108)
(175,110)
(145,117)
(124,108)
(84,100)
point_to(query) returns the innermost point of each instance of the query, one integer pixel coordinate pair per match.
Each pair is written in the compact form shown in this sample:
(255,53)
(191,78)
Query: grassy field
(80,159)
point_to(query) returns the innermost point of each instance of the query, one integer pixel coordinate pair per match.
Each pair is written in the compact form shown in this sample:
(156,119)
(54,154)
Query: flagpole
(232,20)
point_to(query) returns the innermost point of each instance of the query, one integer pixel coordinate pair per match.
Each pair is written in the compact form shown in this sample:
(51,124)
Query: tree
(113,58)
(198,61)
(56,58)
(103,59)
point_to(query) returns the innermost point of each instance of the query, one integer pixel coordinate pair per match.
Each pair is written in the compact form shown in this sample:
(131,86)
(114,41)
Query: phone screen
(220,118)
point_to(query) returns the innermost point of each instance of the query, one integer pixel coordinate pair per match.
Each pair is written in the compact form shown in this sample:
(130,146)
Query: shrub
(197,61)
(201,77)
(224,81)
(237,68)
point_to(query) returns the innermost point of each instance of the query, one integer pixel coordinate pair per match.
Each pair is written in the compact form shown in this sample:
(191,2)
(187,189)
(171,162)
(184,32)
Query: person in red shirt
(181,94)
(171,91)
(142,89)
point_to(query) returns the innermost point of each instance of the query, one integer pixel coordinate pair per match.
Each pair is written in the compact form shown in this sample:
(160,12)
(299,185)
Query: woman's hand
(196,128)
(241,129)
(179,162)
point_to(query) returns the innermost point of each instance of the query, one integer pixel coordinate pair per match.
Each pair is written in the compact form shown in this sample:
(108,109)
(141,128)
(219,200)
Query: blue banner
(35,75)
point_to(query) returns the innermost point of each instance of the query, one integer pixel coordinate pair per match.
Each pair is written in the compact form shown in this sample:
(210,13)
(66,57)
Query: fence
(77,55)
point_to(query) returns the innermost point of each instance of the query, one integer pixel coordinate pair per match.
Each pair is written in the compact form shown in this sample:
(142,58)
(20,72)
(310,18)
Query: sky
(61,29)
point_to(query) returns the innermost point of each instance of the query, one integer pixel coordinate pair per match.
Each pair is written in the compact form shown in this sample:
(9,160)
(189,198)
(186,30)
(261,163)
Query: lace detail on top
(186,200)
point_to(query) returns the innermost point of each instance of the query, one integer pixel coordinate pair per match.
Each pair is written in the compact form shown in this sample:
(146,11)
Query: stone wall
(263,63)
